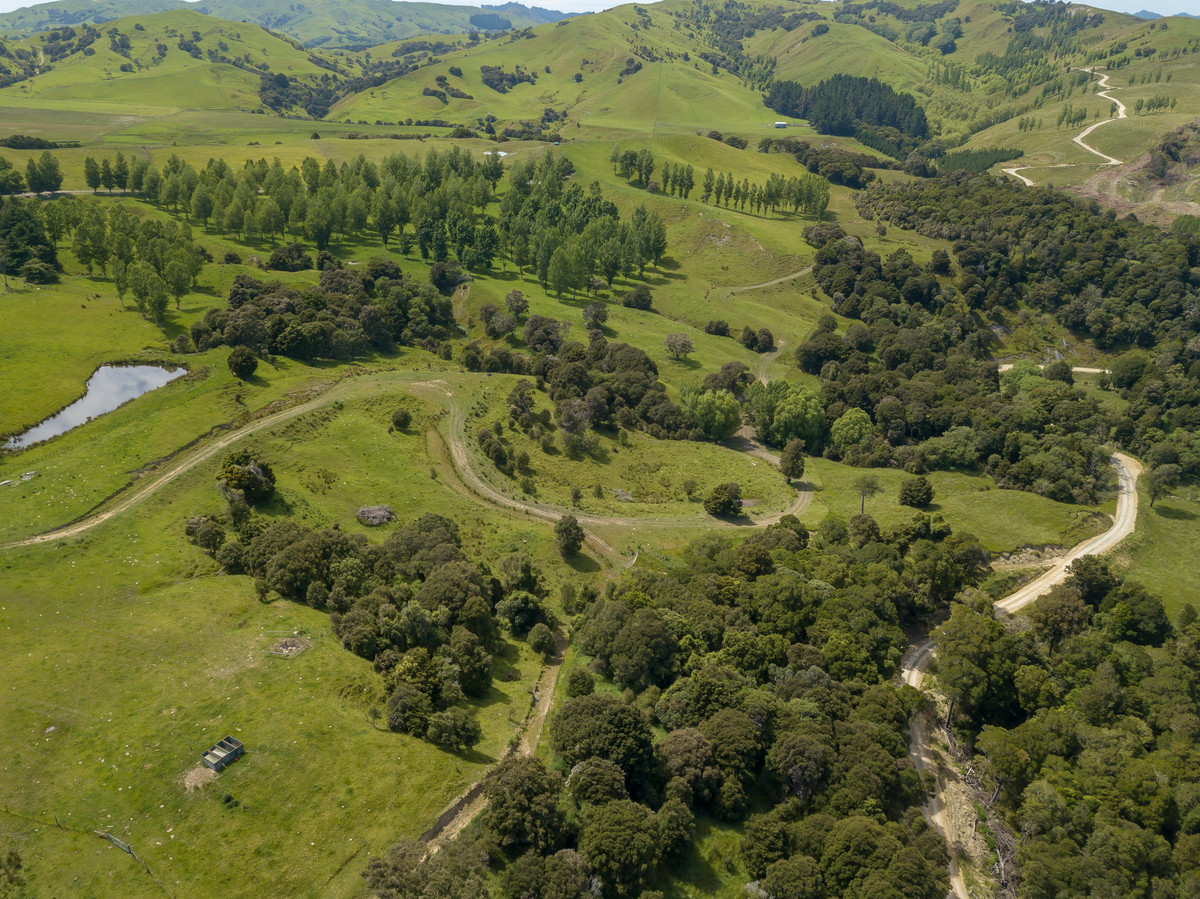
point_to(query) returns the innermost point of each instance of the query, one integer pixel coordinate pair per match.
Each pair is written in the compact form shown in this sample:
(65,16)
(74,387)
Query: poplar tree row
(807,193)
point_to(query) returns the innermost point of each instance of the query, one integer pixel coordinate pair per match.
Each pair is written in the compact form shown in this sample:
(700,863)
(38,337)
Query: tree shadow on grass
(504,275)
(582,564)
(688,363)
(494,695)
(1174,514)
(277,508)
(739,520)
(255,380)
(661,278)
(473,756)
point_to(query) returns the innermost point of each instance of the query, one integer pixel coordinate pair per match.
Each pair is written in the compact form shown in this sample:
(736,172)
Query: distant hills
(1147,14)
(315,23)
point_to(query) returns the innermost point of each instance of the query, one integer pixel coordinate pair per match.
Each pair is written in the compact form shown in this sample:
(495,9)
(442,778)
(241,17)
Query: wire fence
(103,834)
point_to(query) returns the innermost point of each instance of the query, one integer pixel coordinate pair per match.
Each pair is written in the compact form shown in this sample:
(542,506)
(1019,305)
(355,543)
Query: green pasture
(1161,552)
(1002,520)
(650,472)
(150,657)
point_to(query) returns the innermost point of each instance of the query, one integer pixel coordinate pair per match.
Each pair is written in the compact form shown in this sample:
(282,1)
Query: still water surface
(108,388)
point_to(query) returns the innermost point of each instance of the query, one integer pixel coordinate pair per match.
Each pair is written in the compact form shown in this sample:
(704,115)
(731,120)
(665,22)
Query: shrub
(253,477)
(232,557)
(454,729)
(291,258)
(408,710)
(916,492)
(638,298)
(242,362)
(580,682)
(541,640)
(401,419)
(725,500)
(568,535)
(37,272)
(791,460)
(446,276)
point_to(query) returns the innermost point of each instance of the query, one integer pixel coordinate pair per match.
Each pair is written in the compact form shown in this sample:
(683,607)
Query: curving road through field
(913,670)
(1079,138)
(469,483)
(1108,160)
(919,658)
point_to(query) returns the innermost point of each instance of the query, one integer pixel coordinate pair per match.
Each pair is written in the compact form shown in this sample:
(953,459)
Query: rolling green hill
(987,75)
(317,23)
(165,60)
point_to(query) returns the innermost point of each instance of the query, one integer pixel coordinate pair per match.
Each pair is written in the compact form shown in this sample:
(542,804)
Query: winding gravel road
(467,480)
(919,658)
(1079,138)
(1108,160)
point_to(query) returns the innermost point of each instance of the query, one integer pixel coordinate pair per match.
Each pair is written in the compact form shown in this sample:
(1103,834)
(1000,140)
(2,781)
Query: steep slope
(170,60)
(628,69)
(970,64)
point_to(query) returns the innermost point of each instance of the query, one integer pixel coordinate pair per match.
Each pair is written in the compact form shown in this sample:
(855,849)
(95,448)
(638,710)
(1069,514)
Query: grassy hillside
(987,75)
(159,62)
(976,68)
(630,81)
(126,654)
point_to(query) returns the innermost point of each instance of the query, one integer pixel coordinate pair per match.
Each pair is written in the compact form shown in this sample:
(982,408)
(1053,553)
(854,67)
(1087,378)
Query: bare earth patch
(289,646)
(198,778)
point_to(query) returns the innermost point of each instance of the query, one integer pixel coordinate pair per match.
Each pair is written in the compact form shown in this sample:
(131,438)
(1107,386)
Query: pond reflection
(108,388)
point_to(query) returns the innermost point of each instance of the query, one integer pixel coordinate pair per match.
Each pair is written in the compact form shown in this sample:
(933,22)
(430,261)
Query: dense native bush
(917,360)
(1049,707)
(750,682)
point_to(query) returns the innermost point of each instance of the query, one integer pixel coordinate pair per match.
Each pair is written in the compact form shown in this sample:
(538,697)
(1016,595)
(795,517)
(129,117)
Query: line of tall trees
(807,193)
(43,174)
(440,205)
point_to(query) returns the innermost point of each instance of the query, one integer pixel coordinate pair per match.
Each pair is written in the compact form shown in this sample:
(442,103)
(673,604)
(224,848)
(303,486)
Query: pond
(109,387)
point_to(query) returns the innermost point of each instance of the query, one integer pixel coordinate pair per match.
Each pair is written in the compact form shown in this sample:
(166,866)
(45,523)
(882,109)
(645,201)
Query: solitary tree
(1160,480)
(679,345)
(595,315)
(568,535)
(791,460)
(516,303)
(867,485)
(916,492)
(242,362)
(724,500)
